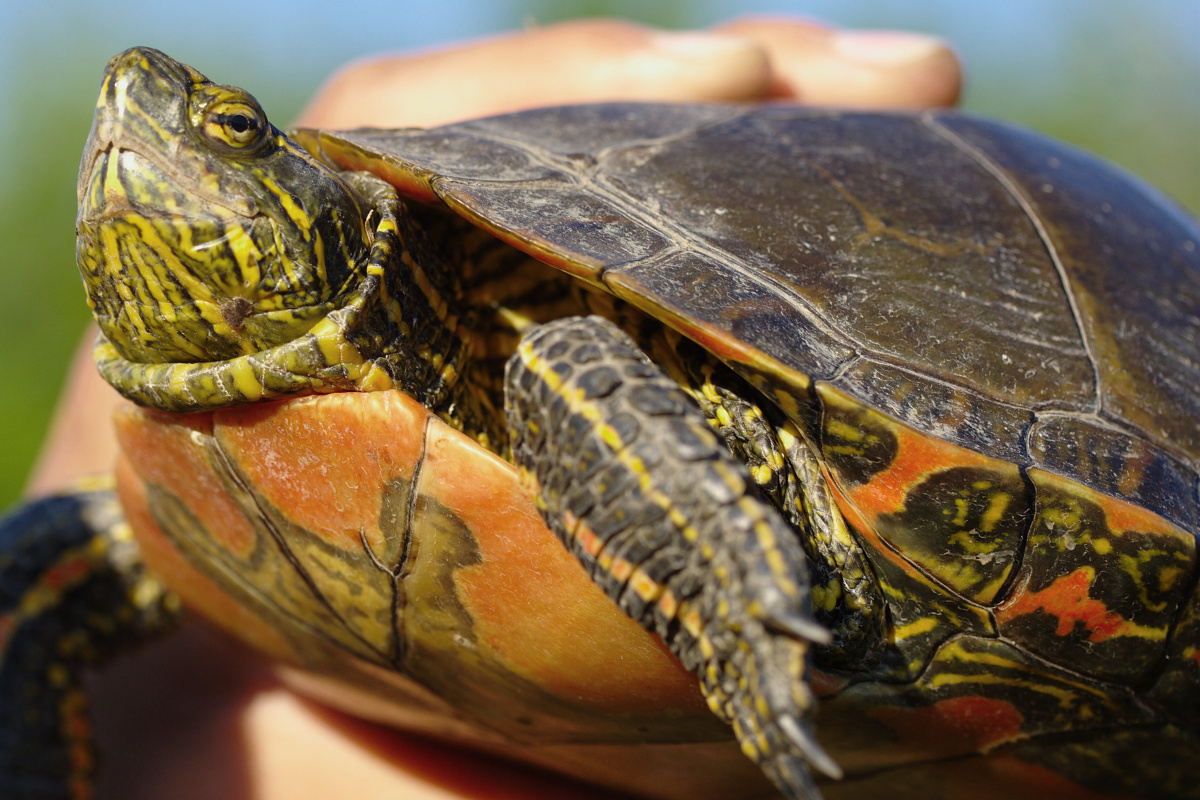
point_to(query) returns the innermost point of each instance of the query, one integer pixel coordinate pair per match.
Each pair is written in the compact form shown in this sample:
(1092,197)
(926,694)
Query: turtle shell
(990,340)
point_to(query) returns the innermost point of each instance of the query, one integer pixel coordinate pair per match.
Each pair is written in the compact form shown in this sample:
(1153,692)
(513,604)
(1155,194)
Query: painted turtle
(897,411)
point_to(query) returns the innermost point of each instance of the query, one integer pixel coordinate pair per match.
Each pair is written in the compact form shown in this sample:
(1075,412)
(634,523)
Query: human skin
(196,716)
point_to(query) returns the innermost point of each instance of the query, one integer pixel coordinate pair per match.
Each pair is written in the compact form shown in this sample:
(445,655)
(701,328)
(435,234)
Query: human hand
(746,60)
(244,736)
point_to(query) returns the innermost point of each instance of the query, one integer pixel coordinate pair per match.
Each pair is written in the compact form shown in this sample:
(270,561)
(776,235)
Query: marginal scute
(1101,583)
(542,220)
(729,312)
(945,410)
(857,442)
(921,612)
(956,514)
(1117,462)
(964,526)
(979,693)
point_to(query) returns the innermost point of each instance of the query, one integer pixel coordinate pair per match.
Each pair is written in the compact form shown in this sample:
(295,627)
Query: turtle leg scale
(628,473)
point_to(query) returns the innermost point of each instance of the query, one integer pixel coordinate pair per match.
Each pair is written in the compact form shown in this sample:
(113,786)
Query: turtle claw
(790,774)
(801,737)
(802,626)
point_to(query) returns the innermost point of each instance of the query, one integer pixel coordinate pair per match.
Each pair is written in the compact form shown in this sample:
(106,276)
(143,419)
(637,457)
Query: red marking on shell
(865,527)
(975,723)
(916,458)
(1067,599)
(919,455)
(1125,517)
(982,719)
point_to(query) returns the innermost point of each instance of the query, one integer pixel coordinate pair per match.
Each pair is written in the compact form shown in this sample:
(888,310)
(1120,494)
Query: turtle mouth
(116,178)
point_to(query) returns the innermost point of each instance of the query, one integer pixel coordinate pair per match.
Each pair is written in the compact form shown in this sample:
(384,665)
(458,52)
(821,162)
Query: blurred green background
(1119,77)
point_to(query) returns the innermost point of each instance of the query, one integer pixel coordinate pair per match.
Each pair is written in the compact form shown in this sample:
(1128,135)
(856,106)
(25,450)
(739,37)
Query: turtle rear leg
(630,476)
(73,593)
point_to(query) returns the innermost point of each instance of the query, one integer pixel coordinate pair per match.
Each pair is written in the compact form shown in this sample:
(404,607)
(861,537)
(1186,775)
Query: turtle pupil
(240,123)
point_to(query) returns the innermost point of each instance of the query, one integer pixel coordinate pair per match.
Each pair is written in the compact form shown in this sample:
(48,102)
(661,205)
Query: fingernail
(698,44)
(885,48)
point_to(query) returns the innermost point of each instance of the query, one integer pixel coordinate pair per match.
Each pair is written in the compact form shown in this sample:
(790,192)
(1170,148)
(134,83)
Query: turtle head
(203,232)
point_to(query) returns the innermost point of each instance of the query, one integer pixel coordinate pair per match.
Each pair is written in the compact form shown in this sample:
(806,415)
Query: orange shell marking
(1067,599)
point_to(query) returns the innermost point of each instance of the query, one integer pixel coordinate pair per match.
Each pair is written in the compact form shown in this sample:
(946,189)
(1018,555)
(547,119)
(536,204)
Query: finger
(582,61)
(81,441)
(816,64)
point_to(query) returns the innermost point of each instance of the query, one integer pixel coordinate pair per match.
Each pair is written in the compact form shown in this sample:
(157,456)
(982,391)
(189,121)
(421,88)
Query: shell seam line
(596,186)
(397,642)
(410,510)
(1004,592)
(235,476)
(406,534)
(1019,196)
(549,158)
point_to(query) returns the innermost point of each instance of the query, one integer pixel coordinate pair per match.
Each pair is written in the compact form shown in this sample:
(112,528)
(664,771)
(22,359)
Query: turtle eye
(235,125)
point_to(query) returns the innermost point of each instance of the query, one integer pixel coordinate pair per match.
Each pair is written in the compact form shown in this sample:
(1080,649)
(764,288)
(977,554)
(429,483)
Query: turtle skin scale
(894,411)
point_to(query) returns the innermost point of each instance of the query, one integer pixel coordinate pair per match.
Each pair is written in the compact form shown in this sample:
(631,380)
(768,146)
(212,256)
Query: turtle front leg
(73,593)
(627,472)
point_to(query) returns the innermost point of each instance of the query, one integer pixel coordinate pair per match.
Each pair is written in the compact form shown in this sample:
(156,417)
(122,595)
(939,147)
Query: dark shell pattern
(992,340)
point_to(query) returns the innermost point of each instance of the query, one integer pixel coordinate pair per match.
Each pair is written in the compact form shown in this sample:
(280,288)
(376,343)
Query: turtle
(878,429)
